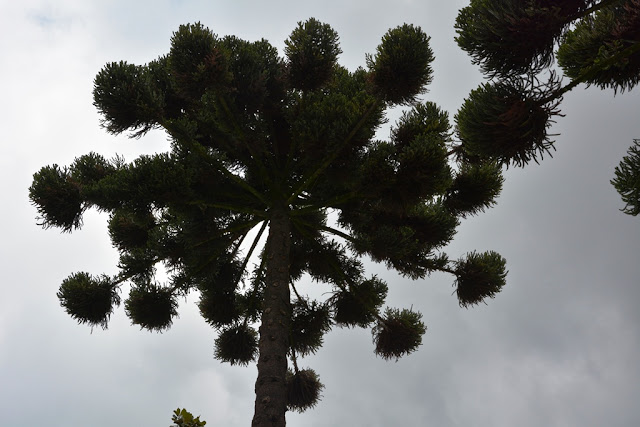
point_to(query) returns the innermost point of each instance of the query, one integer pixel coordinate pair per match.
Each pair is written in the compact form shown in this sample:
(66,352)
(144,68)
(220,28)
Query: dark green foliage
(422,119)
(599,42)
(57,197)
(130,230)
(312,50)
(401,66)
(138,264)
(405,242)
(219,308)
(475,188)
(479,275)
(91,168)
(250,303)
(627,180)
(510,37)
(358,304)
(257,73)
(506,122)
(148,181)
(310,320)
(237,345)
(126,99)
(89,300)
(197,61)
(423,167)
(220,305)
(414,166)
(303,390)
(330,129)
(329,262)
(604,48)
(398,334)
(152,307)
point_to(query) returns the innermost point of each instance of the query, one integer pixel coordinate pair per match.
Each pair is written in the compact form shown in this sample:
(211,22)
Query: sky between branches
(558,347)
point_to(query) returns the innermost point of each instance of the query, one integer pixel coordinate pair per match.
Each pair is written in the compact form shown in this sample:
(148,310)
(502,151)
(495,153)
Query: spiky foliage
(89,300)
(627,180)
(507,122)
(303,390)
(479,276)
(604,48)
(357,304)
(219,299)
(237,345)
(597,42)
(310,320)
(219,308)
(275,147)
(409,46)
(56,195)
(398,334)
(508,37)
(151,306)
(312,51)
(130,229)
(475,188)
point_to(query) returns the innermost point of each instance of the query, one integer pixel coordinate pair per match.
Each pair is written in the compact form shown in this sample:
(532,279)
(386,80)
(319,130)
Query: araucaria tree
(271,148)
(274,145)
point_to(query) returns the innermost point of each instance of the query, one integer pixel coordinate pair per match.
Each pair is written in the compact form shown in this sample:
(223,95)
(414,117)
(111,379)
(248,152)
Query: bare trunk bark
(271,389)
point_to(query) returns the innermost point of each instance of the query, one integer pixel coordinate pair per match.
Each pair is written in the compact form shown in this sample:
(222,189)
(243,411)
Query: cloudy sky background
(558,347)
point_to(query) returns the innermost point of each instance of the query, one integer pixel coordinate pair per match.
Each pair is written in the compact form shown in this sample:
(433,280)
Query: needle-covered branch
(627,179)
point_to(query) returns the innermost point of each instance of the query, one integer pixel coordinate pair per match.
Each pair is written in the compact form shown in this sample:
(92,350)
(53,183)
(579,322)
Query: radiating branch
(334,155)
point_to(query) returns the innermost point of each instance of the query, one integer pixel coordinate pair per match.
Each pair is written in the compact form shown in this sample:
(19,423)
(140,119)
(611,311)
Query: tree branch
(333,155)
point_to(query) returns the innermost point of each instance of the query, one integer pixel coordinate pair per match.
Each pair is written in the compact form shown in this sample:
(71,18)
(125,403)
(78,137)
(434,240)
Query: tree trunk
(271,389)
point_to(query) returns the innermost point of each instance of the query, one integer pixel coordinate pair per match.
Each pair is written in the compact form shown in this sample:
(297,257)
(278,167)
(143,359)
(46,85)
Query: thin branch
(336,200)
(237,246)
(593,71)
(253,246)
(337,233)
(293,358)
(295,291)
(229,230)
(233,208)
(254,291)
(594,8)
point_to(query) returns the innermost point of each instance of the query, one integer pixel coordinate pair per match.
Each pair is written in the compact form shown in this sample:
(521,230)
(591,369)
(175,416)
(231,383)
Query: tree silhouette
(259,142)
(262,144)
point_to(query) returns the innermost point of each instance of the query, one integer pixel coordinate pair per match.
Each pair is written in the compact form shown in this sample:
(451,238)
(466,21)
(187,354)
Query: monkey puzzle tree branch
(593,71)
(334,155)
(186,139)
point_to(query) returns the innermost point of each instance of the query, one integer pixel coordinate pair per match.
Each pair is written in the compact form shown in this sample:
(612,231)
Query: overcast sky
(559,346)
